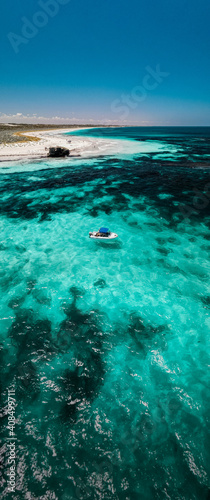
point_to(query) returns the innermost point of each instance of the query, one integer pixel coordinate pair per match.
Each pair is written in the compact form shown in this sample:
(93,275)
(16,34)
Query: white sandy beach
(78,146)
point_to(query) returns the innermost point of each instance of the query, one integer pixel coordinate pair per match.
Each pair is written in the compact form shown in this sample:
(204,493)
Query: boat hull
(111,236)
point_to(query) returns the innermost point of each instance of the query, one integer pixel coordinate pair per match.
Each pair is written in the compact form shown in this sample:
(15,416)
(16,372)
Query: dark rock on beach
(58,152)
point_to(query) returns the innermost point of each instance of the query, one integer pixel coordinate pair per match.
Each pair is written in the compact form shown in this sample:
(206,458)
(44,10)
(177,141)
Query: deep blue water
(147,132)
(107,342)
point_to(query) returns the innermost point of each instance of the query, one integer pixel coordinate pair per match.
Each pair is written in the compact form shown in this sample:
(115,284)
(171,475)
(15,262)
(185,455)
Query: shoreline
(38,141)
(42,140)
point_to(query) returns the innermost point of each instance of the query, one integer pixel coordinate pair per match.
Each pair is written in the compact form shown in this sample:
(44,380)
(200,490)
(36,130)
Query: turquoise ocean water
(107,342)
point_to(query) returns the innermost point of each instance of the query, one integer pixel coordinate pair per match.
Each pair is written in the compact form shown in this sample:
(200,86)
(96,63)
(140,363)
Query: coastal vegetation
(13,132)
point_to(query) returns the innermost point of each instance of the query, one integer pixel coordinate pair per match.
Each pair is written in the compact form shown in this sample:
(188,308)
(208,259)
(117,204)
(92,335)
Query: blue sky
(94,61)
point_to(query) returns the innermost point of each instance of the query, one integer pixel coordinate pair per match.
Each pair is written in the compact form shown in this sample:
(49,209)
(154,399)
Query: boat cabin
(103,231)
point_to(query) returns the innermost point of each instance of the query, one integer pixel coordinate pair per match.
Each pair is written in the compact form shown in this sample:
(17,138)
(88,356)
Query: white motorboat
(102,234)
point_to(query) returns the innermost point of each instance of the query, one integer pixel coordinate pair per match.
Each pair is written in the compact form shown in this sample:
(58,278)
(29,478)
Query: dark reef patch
(81,334)
(30,335)
(163,250)
(143,177)
(100,283)
(146,336)
(16,302)
(206,301)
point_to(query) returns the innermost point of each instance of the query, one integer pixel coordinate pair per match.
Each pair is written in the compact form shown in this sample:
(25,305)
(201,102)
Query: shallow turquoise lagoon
(107,342)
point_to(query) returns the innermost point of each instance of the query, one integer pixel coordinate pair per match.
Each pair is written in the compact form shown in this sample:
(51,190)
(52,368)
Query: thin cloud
(61,120)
